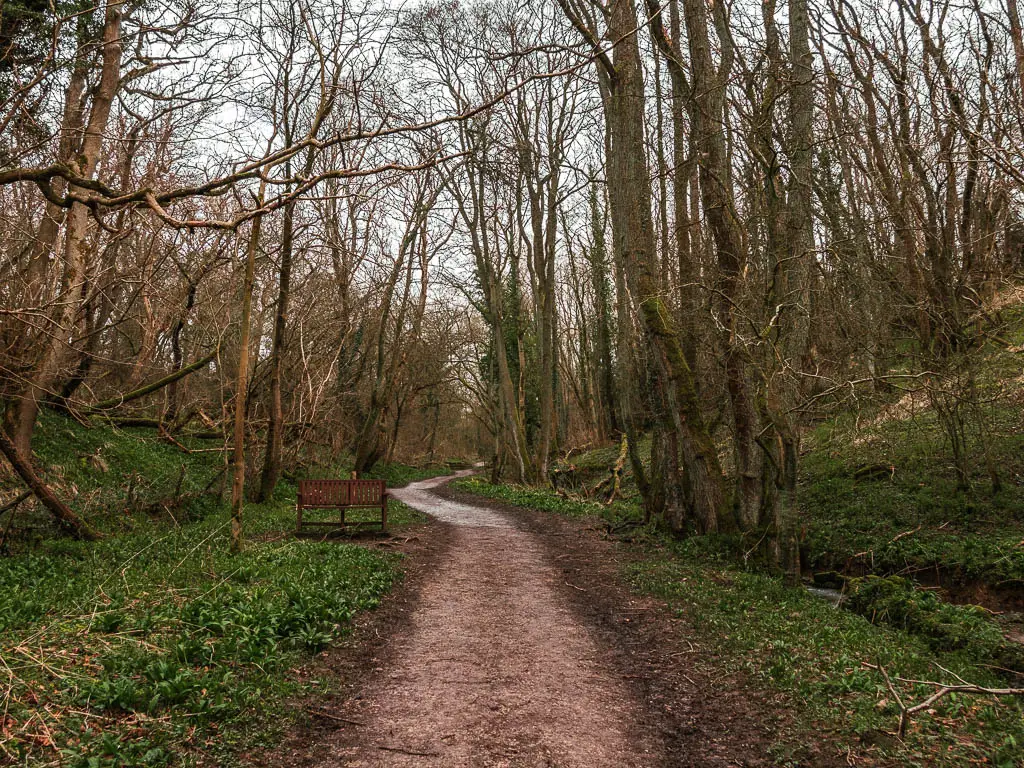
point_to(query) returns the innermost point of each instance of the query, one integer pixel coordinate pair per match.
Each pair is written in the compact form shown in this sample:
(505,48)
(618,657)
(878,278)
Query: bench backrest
(340,493)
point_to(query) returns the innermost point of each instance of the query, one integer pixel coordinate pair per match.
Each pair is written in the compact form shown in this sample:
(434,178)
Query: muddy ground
(514,642)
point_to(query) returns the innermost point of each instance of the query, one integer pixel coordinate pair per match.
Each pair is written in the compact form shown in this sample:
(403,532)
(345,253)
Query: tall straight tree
(242,386)
(604,365)
(301,78)
(789,295)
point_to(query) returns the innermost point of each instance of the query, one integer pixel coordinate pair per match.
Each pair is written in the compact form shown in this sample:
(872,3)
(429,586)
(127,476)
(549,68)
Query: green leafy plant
(149,643)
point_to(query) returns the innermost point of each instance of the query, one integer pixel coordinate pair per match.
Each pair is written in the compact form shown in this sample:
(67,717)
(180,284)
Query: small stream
(834,596)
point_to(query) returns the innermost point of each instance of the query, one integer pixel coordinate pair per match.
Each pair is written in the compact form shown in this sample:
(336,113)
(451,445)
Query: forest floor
(155,646)
(806,656)
(517,626)
(514,641)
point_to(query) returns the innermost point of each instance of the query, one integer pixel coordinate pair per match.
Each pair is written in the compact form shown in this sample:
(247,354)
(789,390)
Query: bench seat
(341,495)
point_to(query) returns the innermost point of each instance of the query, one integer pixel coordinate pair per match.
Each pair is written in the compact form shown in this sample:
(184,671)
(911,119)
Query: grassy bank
(909,516)
(801,646)
(880,493)
(155,646)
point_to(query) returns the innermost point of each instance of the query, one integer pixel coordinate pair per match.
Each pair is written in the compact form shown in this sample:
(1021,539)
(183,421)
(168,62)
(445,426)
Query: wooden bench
(341,495)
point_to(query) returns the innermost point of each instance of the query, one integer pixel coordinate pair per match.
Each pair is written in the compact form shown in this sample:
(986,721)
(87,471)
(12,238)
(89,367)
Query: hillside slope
(154,646)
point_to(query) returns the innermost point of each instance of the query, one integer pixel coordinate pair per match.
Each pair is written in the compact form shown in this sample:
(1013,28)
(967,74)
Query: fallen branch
(590,493)
(71,522)
(576,449)
(617,470)
(328,716)
(13,507)
(899,536)
(168,437)
(120,400)
(151,423)
(134,421)
(409,751)
(210,423)
(15,501)
(941,691)
(214,479)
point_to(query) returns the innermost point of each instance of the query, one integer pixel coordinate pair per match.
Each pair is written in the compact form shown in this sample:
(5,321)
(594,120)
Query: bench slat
(341,495)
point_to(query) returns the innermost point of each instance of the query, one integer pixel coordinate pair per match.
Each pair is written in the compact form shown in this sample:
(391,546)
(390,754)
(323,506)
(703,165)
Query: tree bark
(85,163)
(241,390)
(795,322)
(157,385)
(171,412)
(1018,40)
(275,426)
(630,194)
(604,365)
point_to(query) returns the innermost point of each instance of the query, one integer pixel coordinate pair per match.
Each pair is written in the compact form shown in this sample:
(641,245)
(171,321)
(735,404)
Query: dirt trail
(495,669)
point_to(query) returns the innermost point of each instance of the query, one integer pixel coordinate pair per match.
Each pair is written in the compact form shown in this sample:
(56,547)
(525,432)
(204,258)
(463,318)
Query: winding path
(496,670)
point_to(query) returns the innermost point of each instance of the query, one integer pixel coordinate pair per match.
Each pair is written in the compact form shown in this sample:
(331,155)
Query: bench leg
(384,515)
(298,521)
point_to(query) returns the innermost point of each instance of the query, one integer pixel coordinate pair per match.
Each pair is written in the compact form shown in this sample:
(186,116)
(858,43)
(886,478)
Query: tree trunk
(86,161)
(241,390)
(1018,40)
(630,195)
(506,392)
(690,300)
(604,365)
(177,359)
(20,340)
(791,293)
(275,426)
(157,385)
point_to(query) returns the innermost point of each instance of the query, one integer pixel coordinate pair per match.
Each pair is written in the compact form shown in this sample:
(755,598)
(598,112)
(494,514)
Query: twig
(15,501)
(167,436)
(328,716)
(409,751)
(747,554)
(895,695)
(899,536)
(13,507)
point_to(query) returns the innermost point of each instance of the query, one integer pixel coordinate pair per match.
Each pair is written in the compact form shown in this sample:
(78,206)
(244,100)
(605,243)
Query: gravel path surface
(495,669)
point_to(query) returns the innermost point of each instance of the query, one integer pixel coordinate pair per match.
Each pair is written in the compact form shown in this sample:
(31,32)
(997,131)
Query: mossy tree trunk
(634,241)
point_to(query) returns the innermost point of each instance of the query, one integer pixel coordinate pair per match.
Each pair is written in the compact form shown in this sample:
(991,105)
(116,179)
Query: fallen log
(151,423)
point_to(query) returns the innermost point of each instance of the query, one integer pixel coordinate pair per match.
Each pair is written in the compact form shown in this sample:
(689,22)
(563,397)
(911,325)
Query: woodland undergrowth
(790,642)
(155,646)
